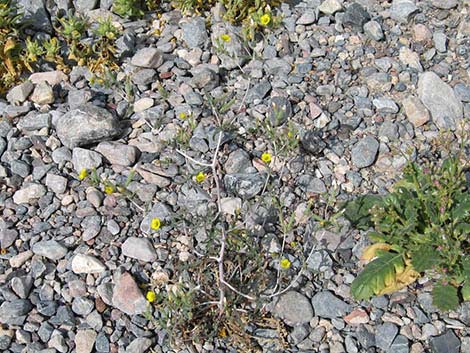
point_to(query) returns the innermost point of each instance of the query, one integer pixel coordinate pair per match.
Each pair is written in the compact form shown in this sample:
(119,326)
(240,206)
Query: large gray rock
(329,306)
(35,13)
(446,110)
(20,93)
(13,309)
(139,248)
(385,334)
(294,308)
(86,125)
(127,296)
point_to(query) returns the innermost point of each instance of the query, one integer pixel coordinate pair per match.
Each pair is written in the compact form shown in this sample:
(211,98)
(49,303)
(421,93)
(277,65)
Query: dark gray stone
(402,10)
(446,343)
(13,309)
(194,32)
(50,249)
(150,58)
(364,152)
(356,16)
(258,91)
(280,111)
(47,307)
(385,334)
(313,143)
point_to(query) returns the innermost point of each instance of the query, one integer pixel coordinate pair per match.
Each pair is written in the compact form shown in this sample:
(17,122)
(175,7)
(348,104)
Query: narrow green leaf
(374,276)
(445,297)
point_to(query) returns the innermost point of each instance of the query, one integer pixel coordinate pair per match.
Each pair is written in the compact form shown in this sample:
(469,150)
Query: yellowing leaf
(370,252)
(405,278)
(9,45)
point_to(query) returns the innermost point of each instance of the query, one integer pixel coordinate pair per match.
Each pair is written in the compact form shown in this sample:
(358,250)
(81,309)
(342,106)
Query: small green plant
(422,226)
(128,8)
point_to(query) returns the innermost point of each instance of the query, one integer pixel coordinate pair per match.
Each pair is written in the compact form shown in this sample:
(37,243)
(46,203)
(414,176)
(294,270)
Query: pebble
(139,248)
(415,111)
(50,249)
(327,305)
(151,58)
(30,192)
(330,7)
(118,153)
(85,340)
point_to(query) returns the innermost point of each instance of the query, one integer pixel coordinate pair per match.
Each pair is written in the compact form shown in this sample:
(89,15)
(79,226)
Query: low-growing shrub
(422,226)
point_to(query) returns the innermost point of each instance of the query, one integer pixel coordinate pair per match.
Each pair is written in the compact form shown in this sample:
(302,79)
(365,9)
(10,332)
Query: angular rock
(415,111)
(82,263)
(445,4)
(385,334)
(446,343)
(403,10)
(160,211)
(385,106)
(20,93)
(307,18)
(86,125)
(85,159)
(50,249)
(34,121)
(13,309)
(42,94)
(84,341)
(446,110)
(327,305)
(356,16)
(194,32)
(119,153)
(7,237)
(151,58)
(51,77)
(294,308)
(364,152)
(127,296)
(400,345)
(139,248)
(28,193)
(374,30)
(280,111)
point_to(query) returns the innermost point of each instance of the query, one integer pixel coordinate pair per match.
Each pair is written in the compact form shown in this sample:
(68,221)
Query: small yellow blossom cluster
(265,19)
(266,157)
(155,223)
(151,296)
(200,177)
(226,38)
(83,174)
(285,264)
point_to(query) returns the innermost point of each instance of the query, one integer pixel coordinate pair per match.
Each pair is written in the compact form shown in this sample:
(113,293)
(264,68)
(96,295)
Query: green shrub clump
(423,226)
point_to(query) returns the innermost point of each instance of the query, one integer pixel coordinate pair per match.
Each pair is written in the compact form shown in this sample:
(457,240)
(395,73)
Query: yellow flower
(182,115)
(226,38)
(151,296)
(266,157)
(155,223)
(265,19)
(200,177)
(3,251)
(83,174)
(223,332)
(285,264)
(109,189)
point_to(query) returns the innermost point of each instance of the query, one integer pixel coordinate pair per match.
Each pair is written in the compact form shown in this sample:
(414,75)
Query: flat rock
(445,4)
(127,296)
(56,183)
(385,334)
(86,125)
(139,248)
(294,308)
(15,308)
(82,263)
(245,186)
(330,7)
(51,77)
(327,305)
(364,152)
(20,93)
(28,193)
(446,110)
(50,249)
(119,153)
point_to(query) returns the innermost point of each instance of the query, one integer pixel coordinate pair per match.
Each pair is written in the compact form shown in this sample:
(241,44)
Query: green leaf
(466,292)
(445,297)
(463,228)
(376,237)
(462,210)
(357,210)
(376,275)
(466,267)
(424,258)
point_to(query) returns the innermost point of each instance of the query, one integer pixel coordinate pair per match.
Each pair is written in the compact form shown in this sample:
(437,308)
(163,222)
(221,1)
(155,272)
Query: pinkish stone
(127,296)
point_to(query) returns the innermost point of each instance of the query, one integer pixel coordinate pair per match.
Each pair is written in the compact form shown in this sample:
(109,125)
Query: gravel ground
(351,87)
